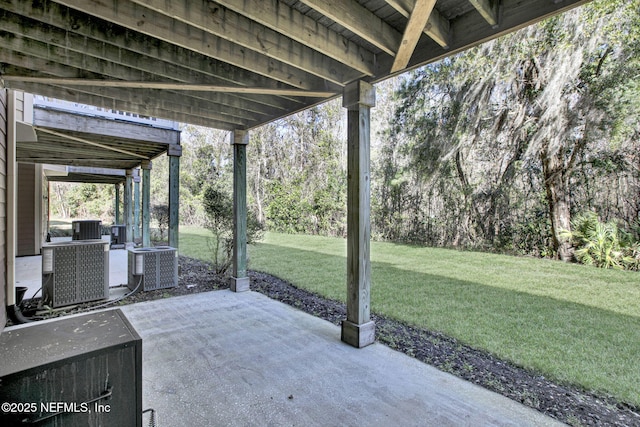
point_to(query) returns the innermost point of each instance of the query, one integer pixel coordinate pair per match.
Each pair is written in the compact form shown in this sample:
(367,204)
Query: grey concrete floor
(226,359)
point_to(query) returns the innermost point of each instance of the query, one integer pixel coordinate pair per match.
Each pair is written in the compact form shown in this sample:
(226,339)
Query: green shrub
(161,215)
(218,206)
(602,244)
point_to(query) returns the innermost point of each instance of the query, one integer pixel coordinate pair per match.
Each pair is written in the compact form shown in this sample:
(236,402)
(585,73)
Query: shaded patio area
(223,358)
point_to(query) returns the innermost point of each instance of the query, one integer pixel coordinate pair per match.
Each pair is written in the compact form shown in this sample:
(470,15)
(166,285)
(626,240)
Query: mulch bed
(563,402)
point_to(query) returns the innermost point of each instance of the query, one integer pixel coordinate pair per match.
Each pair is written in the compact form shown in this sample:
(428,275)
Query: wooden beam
(351,15)
(73,55)
(471,29)
(217,20)
(85,141)
(286,20)
(143,102)
(157,25)
(166,86)
(122,47)
(488,9)
(437,27)
(139,107)
(134,133)
(417,22)
(35,55)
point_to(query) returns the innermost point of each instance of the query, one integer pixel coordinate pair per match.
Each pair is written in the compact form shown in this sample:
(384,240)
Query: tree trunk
(556,186)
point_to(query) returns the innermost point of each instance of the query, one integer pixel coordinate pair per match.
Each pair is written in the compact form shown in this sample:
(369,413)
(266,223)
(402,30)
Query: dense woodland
(498,148)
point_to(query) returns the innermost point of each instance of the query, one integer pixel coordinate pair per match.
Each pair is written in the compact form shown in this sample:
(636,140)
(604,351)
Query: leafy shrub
(601,244)
(161,215)
(218,206)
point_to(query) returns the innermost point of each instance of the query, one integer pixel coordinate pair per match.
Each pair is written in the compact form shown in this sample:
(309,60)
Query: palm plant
(597,243)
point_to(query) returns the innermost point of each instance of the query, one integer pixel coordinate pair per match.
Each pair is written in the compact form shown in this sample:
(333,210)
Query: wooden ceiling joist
(123,51)
(219,21)
(417,21)
(437,26)
(360,21)
(167,86)
(237,64)
(85,141)
(288,21)
(162,27)
(488,9)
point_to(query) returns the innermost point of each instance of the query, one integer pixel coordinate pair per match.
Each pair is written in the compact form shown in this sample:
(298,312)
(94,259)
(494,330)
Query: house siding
(3,207)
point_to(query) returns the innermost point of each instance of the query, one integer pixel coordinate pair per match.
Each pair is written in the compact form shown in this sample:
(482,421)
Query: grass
(574,324)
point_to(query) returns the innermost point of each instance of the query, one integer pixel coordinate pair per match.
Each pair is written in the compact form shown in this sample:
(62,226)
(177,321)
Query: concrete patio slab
(226,359)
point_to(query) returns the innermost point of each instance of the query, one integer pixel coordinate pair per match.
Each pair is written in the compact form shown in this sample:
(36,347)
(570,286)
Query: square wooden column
(128,204)
(358,330)
(116,206)
(174,152)
(146,203)
(240,281)
(136,205)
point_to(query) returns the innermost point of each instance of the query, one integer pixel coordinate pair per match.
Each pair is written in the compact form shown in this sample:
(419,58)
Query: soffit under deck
(236,64)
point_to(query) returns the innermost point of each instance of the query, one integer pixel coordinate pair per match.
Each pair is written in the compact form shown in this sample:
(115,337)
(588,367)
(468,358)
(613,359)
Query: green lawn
(572,323)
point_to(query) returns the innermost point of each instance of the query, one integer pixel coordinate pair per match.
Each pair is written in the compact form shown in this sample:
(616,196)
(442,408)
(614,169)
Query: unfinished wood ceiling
(235,64)
(73,139)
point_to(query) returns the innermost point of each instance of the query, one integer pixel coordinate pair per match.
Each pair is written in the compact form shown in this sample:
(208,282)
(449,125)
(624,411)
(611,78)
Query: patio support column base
(239,284)
(358,335)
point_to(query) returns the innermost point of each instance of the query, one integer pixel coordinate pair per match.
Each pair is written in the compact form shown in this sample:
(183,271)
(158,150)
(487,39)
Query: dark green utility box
(75,371)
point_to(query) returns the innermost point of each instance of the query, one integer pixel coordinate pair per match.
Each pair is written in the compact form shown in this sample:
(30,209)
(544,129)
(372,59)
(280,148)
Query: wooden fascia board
(67,161)
(413,31)
(162,27)
(288,21)
(437,28)
(68,121)
(97,100)
(360,21)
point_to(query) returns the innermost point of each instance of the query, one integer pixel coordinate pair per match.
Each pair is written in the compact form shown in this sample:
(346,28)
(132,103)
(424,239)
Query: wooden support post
(116,206)
(136,205)
(146,203)
(240,281)
(127,205)
(358,330)
(174,152)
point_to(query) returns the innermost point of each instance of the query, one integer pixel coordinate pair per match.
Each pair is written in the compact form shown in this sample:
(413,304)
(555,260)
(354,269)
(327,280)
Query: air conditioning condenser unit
(118,236)
(86,229)
(75,272)
(153,268)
